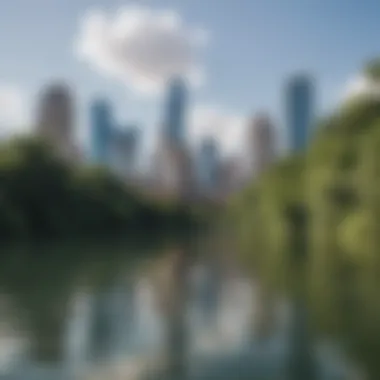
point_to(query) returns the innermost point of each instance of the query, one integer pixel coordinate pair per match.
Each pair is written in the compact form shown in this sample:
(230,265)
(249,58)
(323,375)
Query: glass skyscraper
(208,164)
(299,110)
(125,144)
(174,118)
(101,131)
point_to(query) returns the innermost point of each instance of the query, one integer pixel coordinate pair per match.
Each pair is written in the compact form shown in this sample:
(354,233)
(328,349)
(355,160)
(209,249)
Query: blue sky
(253,46)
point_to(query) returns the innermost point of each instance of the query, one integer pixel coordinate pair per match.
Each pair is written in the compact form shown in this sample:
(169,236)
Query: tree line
(43,198)
(335,186)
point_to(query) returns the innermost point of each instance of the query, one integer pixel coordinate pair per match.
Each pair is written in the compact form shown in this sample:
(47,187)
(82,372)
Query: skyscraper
(55,118)
(174,171)
(125,144)
(299,110)
(208,165)
(228,173)
(175,111)
(101,131)
(262,142)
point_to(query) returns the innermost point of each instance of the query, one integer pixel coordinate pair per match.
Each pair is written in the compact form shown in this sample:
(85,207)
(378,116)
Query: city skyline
(244,62)
(174,169)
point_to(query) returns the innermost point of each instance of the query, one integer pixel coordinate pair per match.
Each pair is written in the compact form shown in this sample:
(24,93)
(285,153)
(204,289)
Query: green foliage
(42,198)
(336,184)
(372,69)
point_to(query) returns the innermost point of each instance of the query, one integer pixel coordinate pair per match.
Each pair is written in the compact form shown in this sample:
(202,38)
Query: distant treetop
(372,69)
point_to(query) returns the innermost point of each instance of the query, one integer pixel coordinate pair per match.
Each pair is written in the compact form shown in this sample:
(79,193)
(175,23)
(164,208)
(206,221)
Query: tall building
(174,171)
(229,181)
(299,110)
(55,118)
(208,166)
(102,124)
(125,144)
(262,142)
(175,111)
(173,162)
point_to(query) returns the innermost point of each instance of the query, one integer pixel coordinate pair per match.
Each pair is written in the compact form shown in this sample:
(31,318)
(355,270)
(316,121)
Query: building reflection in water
(77,342)
(148,326)
(121,326)
(123,320)
(100,327)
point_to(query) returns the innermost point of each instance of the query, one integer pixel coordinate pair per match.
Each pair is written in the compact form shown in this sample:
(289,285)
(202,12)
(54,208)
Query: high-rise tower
(228,172)
(174,171)
(55,118)
(175,111)
(101,131)
(208,165)
(262,142)
(299,110)
(125,143)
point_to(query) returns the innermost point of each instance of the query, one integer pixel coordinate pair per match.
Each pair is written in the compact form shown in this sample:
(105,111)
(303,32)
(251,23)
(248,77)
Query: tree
(340,172)
(42,197)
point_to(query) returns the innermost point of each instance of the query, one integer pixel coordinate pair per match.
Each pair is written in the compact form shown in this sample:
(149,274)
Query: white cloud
(226,127)
(141,47)
(12,111)
(361,85)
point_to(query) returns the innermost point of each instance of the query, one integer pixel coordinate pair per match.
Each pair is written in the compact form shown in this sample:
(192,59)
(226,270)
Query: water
(122,311)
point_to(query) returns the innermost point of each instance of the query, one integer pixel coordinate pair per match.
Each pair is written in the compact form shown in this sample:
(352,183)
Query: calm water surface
(127,312)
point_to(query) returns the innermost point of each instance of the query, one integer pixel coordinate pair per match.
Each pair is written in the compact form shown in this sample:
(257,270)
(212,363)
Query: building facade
(125,144)
(228,178)
(101,124)
(56,119)
(174,171)
(299,110)
(208,161)
(175,111)
(262,142)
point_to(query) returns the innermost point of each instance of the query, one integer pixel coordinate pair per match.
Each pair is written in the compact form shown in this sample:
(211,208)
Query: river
(121,311)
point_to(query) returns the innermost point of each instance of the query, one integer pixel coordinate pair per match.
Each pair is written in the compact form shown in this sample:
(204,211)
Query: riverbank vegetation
(335,184)
(43,198)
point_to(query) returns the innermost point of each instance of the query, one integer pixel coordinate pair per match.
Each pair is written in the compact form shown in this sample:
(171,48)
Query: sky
(236,54)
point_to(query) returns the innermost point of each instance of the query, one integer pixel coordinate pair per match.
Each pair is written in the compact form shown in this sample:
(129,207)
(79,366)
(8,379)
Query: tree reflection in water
(85,313)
